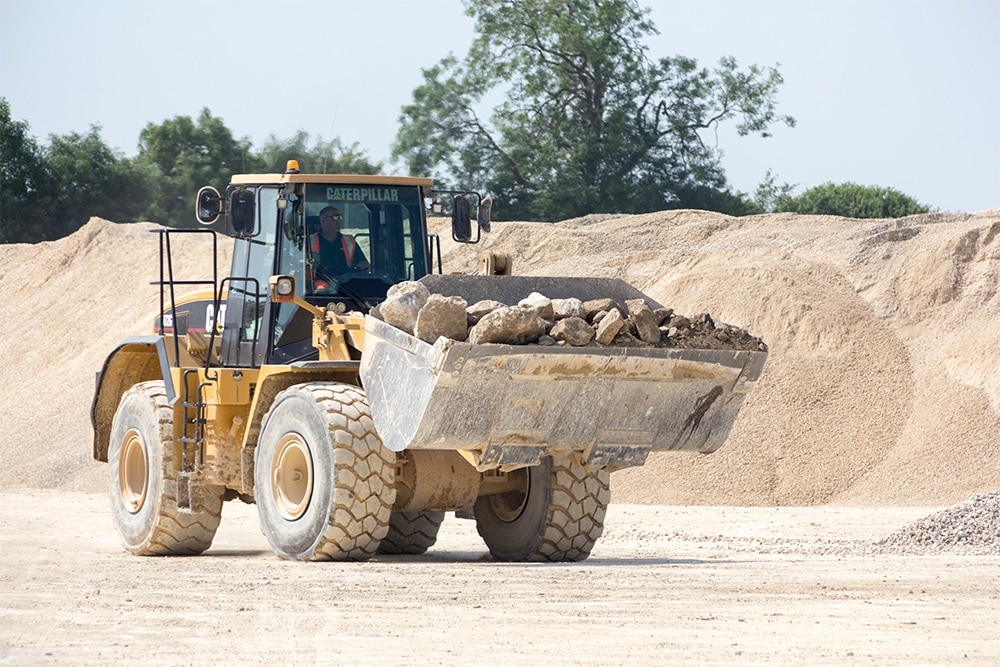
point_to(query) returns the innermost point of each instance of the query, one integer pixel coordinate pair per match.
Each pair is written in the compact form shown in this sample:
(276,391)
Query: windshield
(353,239)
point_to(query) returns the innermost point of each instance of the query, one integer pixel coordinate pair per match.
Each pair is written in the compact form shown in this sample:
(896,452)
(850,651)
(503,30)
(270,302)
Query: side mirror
(208,205)
(461,220)
(483,217)
(243,212)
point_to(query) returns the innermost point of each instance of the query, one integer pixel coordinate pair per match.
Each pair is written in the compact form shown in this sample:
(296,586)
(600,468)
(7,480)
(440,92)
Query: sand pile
(64,305)
(881,387)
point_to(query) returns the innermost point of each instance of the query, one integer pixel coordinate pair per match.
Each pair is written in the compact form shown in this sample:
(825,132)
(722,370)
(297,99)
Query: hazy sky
(896,93)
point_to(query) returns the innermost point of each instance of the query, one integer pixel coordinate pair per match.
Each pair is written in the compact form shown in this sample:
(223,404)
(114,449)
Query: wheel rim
(133,471)
(509,505)
(291,477)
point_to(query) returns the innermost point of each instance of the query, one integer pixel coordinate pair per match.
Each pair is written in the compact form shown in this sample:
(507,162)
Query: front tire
(142,480)
(323,481)
(555,513)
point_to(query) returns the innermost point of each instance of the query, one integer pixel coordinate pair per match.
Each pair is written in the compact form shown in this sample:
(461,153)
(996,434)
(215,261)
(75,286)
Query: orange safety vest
(346,241)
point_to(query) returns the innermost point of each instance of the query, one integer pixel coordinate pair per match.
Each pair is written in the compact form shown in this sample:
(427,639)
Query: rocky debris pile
(970,527)
(538,320)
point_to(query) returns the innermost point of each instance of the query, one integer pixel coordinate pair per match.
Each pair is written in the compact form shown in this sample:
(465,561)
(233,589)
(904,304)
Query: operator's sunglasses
(334,216)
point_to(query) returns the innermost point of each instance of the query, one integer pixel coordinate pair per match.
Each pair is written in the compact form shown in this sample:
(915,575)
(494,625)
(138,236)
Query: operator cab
(345,238)
(349,243)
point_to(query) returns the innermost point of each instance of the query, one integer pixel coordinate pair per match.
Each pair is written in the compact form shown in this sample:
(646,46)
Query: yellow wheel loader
(279,385)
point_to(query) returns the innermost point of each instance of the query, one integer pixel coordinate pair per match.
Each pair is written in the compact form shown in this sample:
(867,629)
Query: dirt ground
(665,585)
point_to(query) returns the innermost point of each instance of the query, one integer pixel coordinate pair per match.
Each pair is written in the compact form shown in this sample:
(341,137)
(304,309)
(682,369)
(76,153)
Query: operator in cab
(338,253)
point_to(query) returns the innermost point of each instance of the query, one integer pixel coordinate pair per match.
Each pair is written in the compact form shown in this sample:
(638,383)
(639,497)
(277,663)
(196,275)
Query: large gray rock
(480,309)
(610,326)
(512,325)
(595,306)
(403,301)
(540,303)
(646,326)
(574,330)
(571,307)
(442,316)
(662,315)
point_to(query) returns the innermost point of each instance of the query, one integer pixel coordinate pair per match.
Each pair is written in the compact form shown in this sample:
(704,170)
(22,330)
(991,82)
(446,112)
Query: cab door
(247,319)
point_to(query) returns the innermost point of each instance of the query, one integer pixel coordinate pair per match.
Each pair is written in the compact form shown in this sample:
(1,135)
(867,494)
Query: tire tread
(173,532)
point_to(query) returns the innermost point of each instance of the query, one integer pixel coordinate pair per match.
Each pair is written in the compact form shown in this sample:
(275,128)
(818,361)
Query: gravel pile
(970,527)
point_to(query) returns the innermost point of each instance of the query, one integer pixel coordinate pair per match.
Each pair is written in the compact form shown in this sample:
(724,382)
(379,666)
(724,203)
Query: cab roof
(358,179)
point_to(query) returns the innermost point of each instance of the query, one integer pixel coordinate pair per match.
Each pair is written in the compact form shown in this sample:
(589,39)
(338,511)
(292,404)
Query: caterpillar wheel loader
(274,385)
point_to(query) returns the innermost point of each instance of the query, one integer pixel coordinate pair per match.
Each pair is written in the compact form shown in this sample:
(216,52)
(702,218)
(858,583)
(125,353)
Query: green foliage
(770,196)
(589,123)
(24,186)
(707,198)
(181,155)
(853,201)
(52,191)
(90,179)
(315,157)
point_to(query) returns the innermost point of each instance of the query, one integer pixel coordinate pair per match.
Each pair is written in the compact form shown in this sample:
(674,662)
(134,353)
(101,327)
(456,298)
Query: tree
(853,201)
(49,192)
(25,193)
(590,123)
(769,195)
(182,155)
(90,179)
(315,157)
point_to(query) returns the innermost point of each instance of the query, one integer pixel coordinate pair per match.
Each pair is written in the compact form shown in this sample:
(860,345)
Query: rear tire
(142,480)
(555,514)
(323,481)
(411,532)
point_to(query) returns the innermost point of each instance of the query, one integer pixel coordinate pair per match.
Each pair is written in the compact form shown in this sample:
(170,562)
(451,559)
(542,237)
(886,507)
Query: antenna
(333,123)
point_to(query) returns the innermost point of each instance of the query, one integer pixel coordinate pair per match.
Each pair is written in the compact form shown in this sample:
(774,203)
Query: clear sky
(895,93)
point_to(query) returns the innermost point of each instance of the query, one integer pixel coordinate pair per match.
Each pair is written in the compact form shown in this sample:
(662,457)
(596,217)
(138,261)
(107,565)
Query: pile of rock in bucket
(538,320)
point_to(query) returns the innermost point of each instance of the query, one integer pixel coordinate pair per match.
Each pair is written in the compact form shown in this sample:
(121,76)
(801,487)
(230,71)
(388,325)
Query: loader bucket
(512,404)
